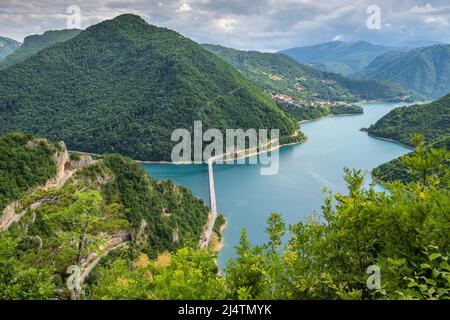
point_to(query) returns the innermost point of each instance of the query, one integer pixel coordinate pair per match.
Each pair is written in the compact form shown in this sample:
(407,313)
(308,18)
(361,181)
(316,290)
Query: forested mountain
(424,70)
(102,205)
(278,73)
(431,120)
(338,56)
(7,46)
(35,43)
(401,124)
(124,86)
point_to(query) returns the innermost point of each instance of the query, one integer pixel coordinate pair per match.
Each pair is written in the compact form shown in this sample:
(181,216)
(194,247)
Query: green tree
(427,166)
(275,230)
(18,281)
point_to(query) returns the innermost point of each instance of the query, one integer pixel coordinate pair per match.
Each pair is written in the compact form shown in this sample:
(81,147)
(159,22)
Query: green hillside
(24,163)
(124,86)
(145,233)
(278,73)
(401,124)
(35,43)
(338,56)
(106,204)
(404,232)
(7,46)
(424,70)
(431,120)
(397,170)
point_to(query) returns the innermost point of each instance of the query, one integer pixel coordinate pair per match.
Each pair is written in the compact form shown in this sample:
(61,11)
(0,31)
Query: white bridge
(206,236)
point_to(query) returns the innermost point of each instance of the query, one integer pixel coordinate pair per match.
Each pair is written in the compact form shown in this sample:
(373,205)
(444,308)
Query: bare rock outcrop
(10,215)
(81,162)
(65,168)
(60,158)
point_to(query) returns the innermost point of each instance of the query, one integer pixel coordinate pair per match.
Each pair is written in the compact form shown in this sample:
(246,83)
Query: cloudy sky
(257,24)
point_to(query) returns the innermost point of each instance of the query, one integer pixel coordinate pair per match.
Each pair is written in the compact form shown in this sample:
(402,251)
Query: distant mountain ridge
(278,73)
(124,86)
(35,43)
(425,70)
(7,46)
(419,44)
(337,56)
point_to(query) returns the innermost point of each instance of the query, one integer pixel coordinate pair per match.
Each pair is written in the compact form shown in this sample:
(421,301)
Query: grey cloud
(246,24)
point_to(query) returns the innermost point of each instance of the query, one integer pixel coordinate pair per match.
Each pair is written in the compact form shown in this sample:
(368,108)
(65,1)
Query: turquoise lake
(246,198)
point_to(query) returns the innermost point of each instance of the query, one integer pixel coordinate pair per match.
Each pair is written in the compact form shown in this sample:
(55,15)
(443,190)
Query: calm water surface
(246,198)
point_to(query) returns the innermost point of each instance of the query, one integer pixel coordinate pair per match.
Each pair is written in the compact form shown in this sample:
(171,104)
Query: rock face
(140,237)
(84,161)
(65,168)
(60,158)
(9,215)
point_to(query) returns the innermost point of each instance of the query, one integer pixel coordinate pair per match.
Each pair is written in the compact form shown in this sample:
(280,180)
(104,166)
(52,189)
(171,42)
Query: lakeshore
(246,198)
(390,140)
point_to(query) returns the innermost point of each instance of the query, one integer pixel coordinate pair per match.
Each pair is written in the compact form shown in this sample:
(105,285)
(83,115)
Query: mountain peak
(124,86)
(127,25)
(127,21)
(128,18)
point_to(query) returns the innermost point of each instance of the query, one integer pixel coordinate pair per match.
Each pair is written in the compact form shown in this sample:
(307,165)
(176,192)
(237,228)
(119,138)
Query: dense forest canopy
(431,120)
(397,169)
(119,88)
(402,124)
(302,113)
(124,86)
(25,162)
(110,203)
